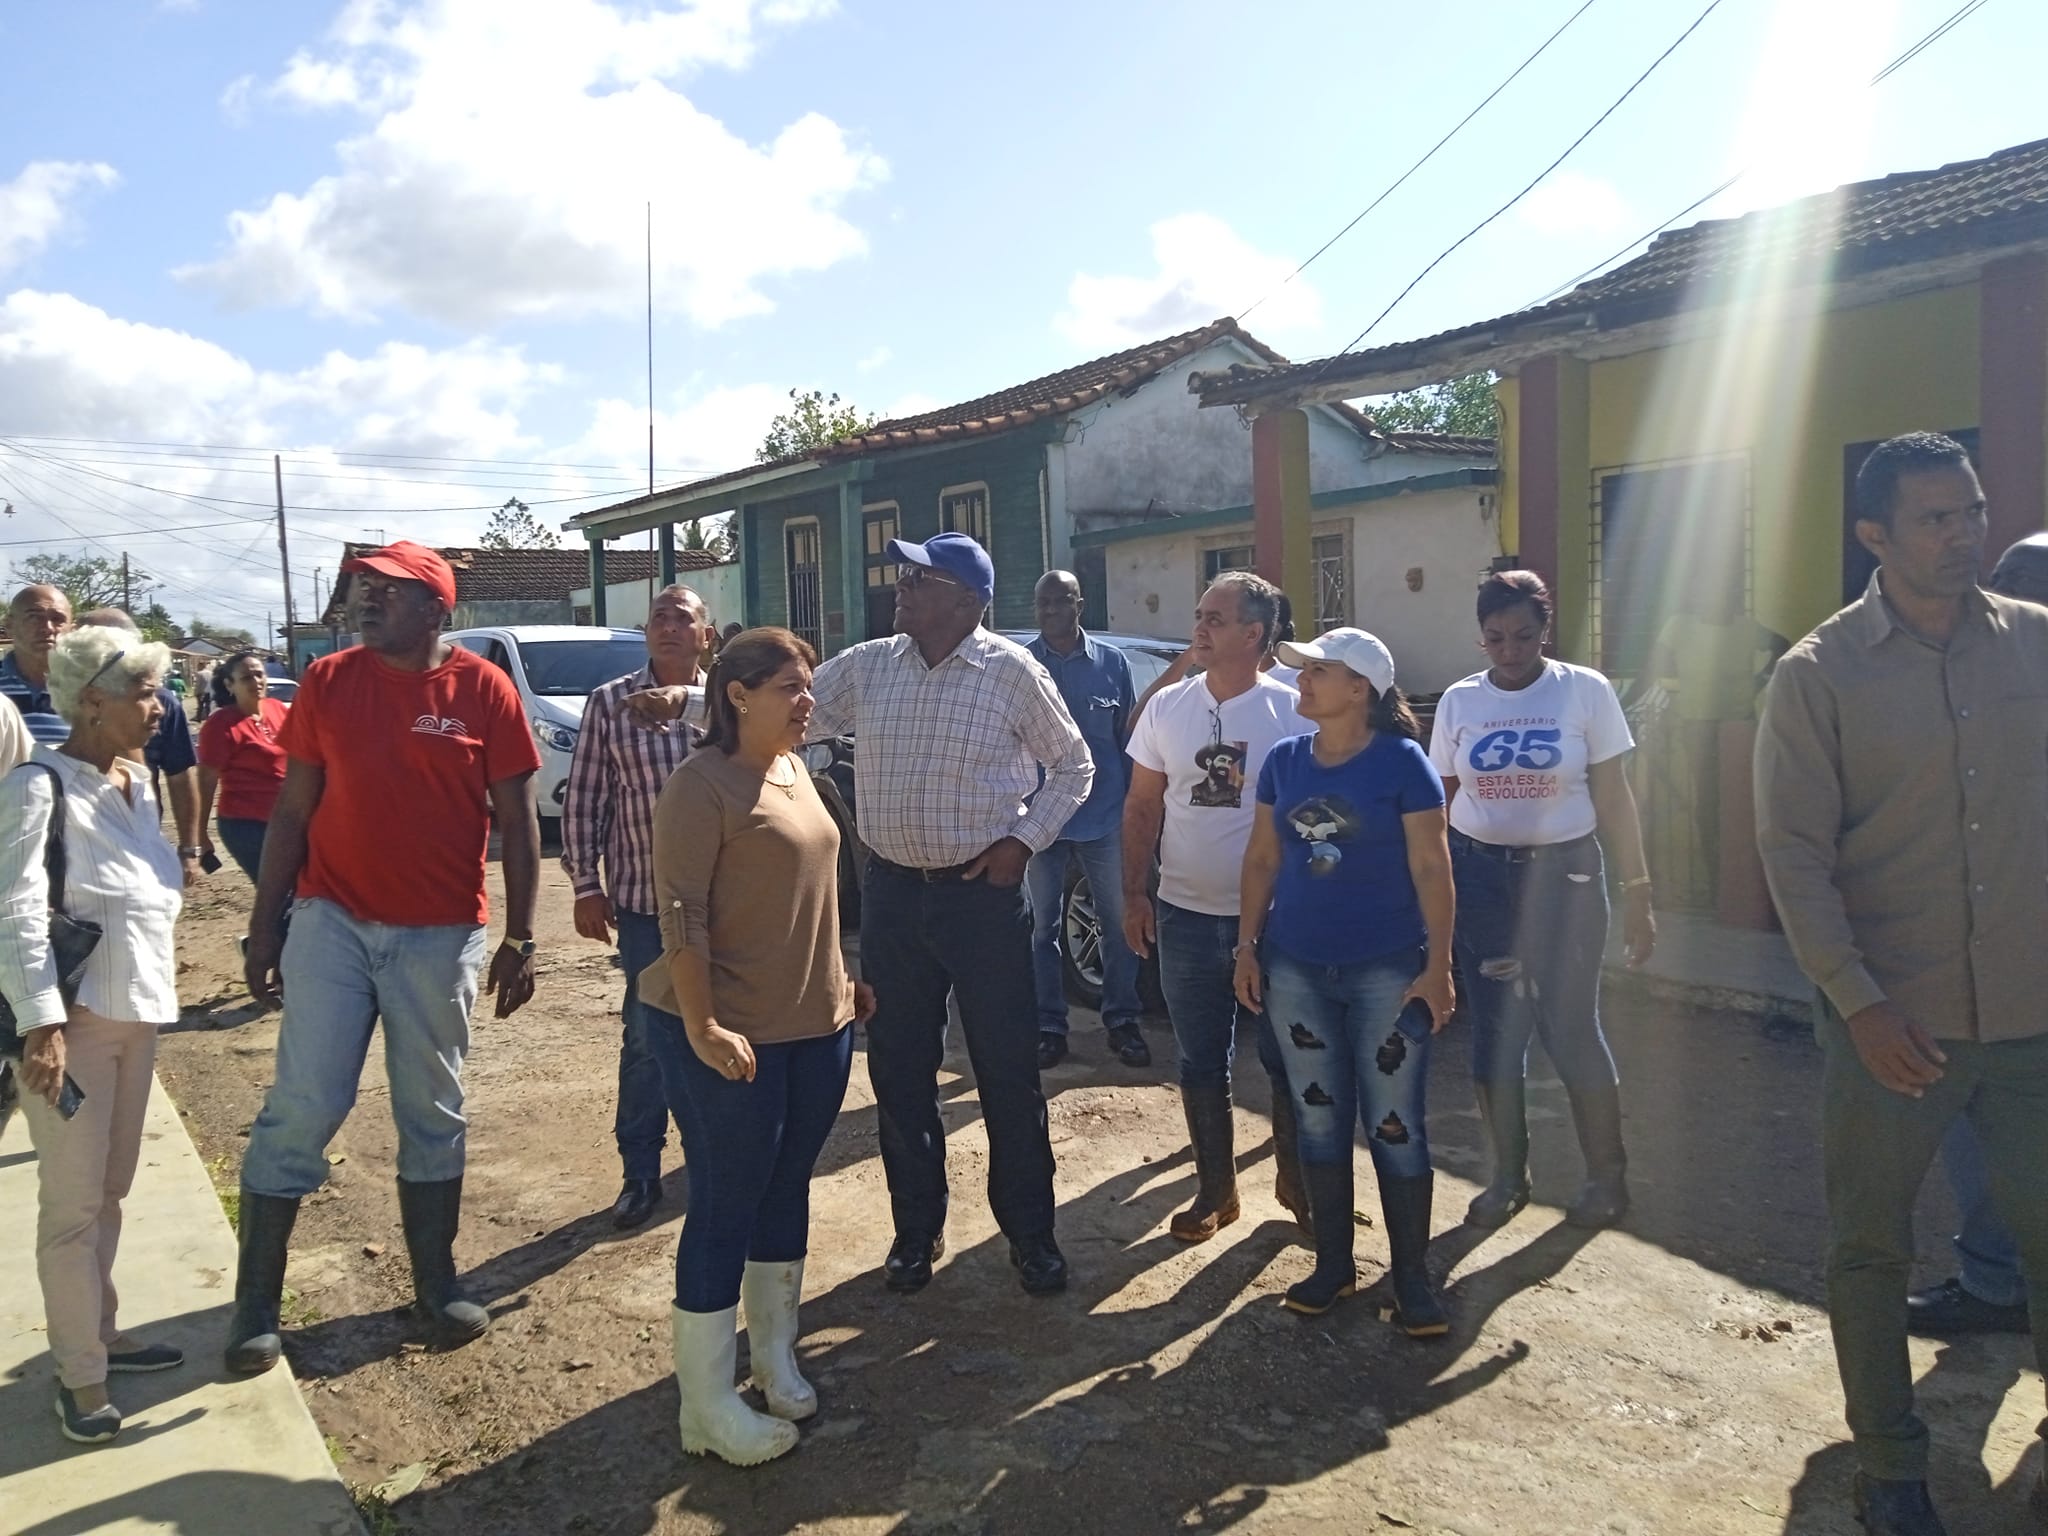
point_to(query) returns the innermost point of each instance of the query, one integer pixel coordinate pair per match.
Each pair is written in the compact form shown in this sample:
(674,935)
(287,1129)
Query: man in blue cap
(952,727)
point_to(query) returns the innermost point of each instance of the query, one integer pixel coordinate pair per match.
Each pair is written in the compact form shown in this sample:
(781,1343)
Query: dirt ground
(1674,1376)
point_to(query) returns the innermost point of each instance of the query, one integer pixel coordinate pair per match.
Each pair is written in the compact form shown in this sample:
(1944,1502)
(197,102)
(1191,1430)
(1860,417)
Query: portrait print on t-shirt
(1324,821)
(1221,786)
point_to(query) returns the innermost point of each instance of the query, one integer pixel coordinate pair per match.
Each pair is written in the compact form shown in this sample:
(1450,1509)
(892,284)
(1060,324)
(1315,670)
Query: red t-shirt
(403,824)
(243,750)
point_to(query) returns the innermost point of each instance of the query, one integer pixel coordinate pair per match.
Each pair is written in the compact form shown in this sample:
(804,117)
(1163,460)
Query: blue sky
(401,243)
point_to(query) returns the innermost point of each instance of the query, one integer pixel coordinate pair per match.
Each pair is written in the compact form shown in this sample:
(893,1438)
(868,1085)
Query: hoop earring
(743,709)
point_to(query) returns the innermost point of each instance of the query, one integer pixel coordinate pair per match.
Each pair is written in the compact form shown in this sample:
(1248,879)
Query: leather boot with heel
(1212,1134)
(431,1213)
(1596,1112)
(1503,1115)
(1336,1275)
(263,1239)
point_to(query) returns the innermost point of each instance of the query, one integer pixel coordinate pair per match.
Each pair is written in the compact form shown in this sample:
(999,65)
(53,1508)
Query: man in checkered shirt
(952,728)
(636,730)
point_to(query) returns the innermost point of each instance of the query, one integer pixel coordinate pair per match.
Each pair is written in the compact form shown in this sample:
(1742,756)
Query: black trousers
(918,940)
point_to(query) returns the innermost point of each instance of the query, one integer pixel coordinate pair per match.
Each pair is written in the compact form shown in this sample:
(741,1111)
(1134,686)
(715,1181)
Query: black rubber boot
(1289,1188)
(431,1213)
(1405,1203)
(264,1239)
(1210,1130)
(1596,1111)
(1503,1114)
(1336,1276)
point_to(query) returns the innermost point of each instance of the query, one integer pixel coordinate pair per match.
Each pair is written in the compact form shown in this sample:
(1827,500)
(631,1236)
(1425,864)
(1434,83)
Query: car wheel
(1080,941)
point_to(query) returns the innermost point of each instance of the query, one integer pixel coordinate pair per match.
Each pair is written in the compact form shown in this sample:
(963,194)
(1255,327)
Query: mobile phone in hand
(209,861)
(69,1097)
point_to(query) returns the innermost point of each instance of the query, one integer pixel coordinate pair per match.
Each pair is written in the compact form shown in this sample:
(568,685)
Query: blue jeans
(1045,882)
(1530,940)
(1334,1025)
(1198,974)
(341,975)
(243,839)
(641,1125)
(1985,1247)
(749,1149)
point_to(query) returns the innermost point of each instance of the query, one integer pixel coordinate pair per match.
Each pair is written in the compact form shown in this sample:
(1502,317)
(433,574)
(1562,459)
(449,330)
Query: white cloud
(702,434)
(71,371)
(507,157)
(1572,203)
(879,358)
(35,206)
(1205,269)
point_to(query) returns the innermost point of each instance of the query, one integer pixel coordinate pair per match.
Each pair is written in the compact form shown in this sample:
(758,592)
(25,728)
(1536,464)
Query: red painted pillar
(1280,507)
(1537,467)
(2012,397)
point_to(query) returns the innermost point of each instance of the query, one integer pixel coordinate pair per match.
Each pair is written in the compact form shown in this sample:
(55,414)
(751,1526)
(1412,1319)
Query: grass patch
(229,1192)
(336,1451)
(294,1311)
(377,1517)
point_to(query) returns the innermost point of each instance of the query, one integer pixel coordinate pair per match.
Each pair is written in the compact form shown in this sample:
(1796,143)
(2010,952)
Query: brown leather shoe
(1288,1188)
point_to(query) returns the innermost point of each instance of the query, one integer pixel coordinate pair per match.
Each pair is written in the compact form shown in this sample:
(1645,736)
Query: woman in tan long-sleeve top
(749,1012)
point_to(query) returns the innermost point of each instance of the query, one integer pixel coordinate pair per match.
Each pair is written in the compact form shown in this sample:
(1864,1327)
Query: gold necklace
(788,789)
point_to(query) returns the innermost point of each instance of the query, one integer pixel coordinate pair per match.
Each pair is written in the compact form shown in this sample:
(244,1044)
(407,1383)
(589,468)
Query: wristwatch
(525,947)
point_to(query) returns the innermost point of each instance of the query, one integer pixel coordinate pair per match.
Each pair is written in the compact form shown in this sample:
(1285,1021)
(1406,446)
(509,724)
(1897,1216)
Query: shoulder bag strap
(53,836)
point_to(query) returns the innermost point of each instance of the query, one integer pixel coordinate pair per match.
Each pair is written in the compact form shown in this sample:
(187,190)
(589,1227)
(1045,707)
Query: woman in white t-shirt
(1531,752)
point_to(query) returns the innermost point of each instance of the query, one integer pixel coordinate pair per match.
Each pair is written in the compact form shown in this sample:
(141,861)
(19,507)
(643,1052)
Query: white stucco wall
(626,601)
(1452,536)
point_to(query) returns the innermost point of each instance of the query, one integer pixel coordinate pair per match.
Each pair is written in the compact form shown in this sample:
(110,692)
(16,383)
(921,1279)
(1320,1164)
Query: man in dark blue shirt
(1095,681)
(36,617)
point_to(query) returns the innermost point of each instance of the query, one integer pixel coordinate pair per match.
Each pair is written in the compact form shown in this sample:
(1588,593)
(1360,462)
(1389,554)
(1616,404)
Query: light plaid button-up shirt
(615,776)
(946,757)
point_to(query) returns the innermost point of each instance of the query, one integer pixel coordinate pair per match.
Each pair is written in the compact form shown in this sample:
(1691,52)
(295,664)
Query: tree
(716,537)
(226,639)
(513,526)
(89,581)
(814,420)
(1461,406)
(156,623)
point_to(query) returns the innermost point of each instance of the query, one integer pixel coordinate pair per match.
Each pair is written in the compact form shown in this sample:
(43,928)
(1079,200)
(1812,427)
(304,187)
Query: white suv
(556,667)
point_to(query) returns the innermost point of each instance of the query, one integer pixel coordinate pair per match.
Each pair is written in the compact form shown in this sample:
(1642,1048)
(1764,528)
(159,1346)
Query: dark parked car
(831,766)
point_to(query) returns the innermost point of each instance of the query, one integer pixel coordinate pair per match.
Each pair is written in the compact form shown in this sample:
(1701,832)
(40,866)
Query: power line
(1955,19)
(1427,157)
(1436,261)
(625,472)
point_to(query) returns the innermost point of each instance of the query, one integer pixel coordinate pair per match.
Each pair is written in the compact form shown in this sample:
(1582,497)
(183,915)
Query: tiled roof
(1039,399)
(1972,205)
(535,575)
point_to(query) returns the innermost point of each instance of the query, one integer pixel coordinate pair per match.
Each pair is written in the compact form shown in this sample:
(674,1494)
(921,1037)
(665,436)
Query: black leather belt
(1506,855)
(912,872)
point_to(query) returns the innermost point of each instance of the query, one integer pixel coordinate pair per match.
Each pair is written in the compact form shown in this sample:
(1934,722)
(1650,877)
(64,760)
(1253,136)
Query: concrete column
(853,593)
(596,552)
(1280,508)
(1553,466)
(2012,397)
(666,560)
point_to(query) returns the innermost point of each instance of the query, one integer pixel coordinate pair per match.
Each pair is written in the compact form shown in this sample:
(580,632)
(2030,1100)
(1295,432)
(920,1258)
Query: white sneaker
(771,1293)
(714,1419)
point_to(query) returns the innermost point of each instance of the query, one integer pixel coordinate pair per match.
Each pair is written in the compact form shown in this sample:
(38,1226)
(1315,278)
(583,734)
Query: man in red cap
(400,754)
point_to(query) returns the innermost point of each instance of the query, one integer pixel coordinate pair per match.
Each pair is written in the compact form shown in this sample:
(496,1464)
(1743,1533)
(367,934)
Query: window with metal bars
(802,550)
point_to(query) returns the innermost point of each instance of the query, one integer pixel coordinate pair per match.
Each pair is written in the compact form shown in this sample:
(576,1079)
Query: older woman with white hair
(120,874)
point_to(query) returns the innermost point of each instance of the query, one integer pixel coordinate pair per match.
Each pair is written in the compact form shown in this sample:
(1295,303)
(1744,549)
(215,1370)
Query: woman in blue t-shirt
(1346,917)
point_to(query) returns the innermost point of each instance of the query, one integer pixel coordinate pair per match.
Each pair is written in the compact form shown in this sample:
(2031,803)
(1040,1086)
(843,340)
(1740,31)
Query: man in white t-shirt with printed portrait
(1196,754)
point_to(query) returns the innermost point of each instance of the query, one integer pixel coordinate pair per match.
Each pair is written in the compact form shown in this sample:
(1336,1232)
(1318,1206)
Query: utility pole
(127,593)
(284,559)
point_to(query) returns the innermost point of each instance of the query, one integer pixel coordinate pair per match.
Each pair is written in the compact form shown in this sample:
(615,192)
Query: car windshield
(576,668)
(1145,667)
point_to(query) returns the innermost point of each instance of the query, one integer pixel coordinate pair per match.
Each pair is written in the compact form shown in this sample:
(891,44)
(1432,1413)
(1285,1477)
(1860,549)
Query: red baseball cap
(411,562)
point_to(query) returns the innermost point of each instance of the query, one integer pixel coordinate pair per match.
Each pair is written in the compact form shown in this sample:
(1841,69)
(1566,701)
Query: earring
(743,709)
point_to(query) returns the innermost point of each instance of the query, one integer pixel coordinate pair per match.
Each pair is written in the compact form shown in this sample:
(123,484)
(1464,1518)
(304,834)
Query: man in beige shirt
(1902,805)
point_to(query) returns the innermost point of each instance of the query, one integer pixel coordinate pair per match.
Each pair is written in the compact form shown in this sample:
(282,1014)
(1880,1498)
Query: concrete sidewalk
(1709,964)
(200,1453)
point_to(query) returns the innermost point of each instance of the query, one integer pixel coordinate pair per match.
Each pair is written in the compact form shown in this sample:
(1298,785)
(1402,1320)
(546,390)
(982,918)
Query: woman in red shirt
(239,757)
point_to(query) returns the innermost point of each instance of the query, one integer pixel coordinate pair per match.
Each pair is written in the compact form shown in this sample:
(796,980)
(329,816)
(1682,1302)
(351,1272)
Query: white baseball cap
(1354,648)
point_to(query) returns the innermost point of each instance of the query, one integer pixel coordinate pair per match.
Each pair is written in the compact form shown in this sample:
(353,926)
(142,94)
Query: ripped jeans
(1532,931)
(1346,1062)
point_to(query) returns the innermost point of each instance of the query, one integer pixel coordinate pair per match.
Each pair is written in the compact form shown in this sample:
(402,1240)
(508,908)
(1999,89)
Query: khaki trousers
(85,1166)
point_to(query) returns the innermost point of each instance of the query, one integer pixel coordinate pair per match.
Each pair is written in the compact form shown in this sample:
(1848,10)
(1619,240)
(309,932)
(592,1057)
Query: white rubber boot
(770,1293)
(715,1420)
